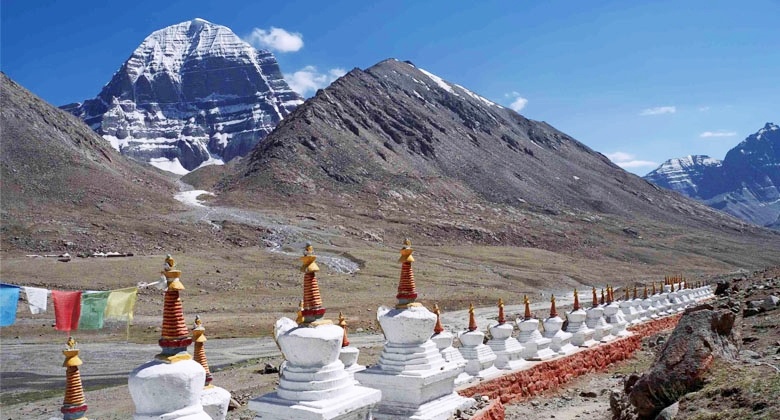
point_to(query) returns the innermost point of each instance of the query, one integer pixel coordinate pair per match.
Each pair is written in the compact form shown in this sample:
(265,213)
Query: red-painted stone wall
(520,385)
(494,411)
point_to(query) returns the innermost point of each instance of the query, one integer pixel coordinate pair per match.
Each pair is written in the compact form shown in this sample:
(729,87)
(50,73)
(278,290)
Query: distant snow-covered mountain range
(745,184)
(191,94)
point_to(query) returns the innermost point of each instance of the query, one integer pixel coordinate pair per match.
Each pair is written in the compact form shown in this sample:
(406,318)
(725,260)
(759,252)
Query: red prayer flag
(67,309)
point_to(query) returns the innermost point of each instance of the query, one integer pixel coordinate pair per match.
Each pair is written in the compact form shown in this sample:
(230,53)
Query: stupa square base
(438,409)
(215,401)
(355,404)
(412,389)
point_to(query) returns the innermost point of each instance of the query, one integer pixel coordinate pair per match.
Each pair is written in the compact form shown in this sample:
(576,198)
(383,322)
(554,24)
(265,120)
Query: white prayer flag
(37,298)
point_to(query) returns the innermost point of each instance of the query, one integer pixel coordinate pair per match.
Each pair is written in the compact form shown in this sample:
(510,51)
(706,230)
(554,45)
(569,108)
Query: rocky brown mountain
(61,182)
(400,149)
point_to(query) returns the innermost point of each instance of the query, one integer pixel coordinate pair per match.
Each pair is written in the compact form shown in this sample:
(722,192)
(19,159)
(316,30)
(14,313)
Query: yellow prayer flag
(121,303)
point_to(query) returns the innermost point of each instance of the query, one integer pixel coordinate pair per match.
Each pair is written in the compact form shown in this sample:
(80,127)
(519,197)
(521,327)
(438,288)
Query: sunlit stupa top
(313,311)
(74,404)
(407,290)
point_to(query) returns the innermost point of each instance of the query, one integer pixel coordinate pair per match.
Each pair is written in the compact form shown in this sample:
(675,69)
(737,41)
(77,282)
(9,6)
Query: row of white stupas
(417,372)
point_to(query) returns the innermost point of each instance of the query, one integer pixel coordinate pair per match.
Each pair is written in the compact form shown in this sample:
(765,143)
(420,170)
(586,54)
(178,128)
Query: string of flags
(73,310)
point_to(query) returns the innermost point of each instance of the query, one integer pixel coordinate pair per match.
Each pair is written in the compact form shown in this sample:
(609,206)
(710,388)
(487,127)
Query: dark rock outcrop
(703,333)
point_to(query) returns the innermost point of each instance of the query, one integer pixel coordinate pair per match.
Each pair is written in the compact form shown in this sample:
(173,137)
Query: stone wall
(494,411)
(523,384)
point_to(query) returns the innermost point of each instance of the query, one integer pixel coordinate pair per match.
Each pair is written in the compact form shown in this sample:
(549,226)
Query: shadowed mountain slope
(62,182)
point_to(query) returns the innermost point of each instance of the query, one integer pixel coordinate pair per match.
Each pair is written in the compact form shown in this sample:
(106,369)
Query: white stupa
(170,386)
(614,316)
(443,340)
(535,346)
(215,400)
(313,384)
(508,351)
(560,341)
(479,356)
(415,380)
(582,336)
(349,354)
(595,319)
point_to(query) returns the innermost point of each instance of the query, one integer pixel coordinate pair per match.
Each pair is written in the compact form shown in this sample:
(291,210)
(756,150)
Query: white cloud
(276,39)
(519,103)
(719,133)
(704,108)
(627,160)
(308,79)
(659,110)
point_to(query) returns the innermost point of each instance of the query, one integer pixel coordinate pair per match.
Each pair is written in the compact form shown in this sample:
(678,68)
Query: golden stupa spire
(553,311)
(595,299)
(343,325)
(313,311)
(407,290)
(628,296)
(644,295)
(74,404)
(527,303)
(576,306)
(501,318)
(174,338)
(635,295)
(438,328)
(199,336)
(472,320)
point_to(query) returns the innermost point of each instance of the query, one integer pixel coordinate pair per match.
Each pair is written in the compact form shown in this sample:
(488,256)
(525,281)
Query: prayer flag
(37,298)
(93,305)
(121,303)
(67,308)
(9,299)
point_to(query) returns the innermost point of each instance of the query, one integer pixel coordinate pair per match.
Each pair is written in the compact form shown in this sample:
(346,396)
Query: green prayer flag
(93,305)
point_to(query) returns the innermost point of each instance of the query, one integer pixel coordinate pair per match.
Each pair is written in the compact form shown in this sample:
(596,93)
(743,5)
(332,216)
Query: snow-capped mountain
(191,94)
(686,175)
(745,184)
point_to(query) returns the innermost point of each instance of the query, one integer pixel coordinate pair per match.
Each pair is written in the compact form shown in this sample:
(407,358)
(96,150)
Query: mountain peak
(746,184)
(192,93)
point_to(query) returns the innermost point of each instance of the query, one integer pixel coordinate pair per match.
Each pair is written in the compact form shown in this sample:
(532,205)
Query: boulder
(703,333)
(722,288)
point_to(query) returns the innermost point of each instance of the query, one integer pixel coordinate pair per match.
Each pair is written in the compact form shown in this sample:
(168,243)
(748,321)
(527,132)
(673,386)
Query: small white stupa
(443,340)
(627,308)
(313,383)
(639,310)
(508,351)
(647,304)
(348,355)
(614,316)
(215,400)
(479,356)
(560,341)
(170,386)
(582,336)
(415,380)
(535,346)
(595,319)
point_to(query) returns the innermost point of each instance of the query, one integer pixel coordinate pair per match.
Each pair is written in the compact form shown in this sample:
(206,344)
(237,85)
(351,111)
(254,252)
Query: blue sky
(639,81)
